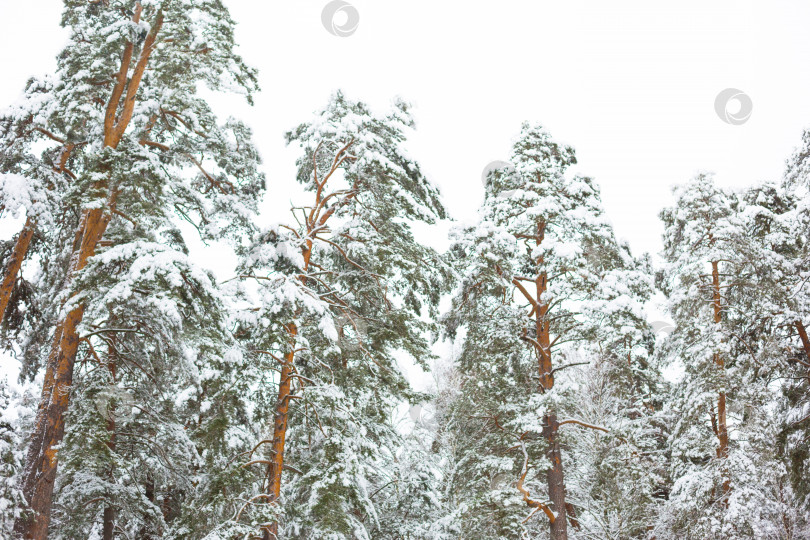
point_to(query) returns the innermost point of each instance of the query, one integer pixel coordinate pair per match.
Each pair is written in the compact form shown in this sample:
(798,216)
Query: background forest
(158,401)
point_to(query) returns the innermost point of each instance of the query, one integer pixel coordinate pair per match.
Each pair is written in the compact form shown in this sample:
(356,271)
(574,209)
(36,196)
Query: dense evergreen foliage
(157,400)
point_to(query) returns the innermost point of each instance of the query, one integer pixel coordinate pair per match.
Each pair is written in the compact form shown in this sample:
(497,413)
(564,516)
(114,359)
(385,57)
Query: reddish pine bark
(722,426)
(41,461)
(803,336)
(14,263)
(555,476)
(280,424)
(556,479)
(318,215)
(108,518)
(49,428)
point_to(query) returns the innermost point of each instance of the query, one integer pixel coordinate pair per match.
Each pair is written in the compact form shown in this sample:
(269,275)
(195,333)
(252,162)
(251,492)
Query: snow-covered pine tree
(540,269)
(412,503)
(338,296)
(767,317)
(727,479)
(788,235)
(32,179)
(15,419)
(618,480)
(157,401)
(144,147)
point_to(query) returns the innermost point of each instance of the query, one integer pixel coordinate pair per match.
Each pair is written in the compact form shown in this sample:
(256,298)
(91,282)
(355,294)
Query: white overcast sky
(630,84)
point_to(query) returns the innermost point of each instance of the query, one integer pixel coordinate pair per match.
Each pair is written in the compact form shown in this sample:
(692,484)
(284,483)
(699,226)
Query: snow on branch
(583,424)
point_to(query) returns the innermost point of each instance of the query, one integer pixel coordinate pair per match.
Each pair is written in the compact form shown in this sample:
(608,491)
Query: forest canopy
(157,400)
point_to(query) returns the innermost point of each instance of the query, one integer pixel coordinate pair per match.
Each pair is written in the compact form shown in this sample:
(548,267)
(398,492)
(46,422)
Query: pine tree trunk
(108,525)
(554,476)
(282,415)
(280,430)
(280,425)
(722,426)
(556,480)
(14,264)
(49,427)
(282,412)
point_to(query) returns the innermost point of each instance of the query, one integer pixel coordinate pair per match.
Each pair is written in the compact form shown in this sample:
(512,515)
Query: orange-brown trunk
(49,428)
(281,417)
(722,426)
(555,477)
(282,412)
(14,263)
(542,325)
(280,424)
